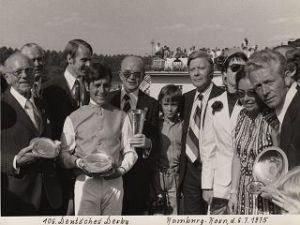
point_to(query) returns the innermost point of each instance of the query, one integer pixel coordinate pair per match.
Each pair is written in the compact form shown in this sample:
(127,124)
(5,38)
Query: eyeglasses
(236,67)
(127,74)
(18,72)
(249,93)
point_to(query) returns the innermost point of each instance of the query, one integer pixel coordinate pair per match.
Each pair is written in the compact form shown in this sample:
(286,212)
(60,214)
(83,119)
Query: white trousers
(97,196)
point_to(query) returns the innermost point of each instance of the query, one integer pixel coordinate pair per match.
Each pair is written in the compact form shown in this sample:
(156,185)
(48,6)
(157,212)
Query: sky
(128,26)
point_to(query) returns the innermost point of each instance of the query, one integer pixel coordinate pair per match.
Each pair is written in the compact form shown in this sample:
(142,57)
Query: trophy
(138,117)
(268,169)
(138,120)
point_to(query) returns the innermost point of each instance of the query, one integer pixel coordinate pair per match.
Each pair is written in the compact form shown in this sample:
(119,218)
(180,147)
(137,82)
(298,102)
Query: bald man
(138,180)
(35,52)
(29,185)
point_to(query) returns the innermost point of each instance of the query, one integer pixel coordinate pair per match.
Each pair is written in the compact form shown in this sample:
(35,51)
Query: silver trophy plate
(44,148)
(98,163)
(268,169)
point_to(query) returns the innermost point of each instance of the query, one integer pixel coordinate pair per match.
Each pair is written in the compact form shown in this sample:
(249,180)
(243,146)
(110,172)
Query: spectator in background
(293,64)
(291,73)
(37,55)
(192,49)
(159,50)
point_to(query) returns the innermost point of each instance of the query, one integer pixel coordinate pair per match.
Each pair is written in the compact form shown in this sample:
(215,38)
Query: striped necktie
(33,113)
(126,105)
(192,139)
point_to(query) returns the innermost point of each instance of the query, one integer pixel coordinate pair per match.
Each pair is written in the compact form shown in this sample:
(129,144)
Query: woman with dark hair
(255,130)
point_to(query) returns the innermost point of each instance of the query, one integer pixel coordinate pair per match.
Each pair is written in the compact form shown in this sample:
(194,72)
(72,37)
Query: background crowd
(194,156)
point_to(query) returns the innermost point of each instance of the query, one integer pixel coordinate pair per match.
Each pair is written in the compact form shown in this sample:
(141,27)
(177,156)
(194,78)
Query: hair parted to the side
(73,45)
(201,54)
(98,71)
(265,59)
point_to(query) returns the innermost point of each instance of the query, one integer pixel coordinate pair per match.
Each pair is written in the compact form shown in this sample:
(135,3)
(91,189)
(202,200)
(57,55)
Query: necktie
(77,92)
(33,114)
(126,105)
(192,139)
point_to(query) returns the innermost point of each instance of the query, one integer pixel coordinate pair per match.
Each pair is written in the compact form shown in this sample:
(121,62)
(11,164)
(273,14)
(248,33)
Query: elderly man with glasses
(29,185)
(139,180)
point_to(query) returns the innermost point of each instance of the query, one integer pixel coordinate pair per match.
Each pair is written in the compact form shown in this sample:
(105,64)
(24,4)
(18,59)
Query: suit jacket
(138,179)
(218,146)
(290,132)
(188,103)
(22,192)
(59,103)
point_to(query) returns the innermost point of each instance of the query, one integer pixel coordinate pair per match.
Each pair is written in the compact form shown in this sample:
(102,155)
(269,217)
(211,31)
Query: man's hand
(207,195)
(232,203)
(25,157)
(289,204)
(114,174)
(140,141)
(267,192)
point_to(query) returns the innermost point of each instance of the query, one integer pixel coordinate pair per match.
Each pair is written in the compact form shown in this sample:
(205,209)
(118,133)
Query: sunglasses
(236,67)
(249,93)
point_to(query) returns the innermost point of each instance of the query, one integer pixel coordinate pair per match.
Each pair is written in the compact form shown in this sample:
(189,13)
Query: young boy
(98,127)
(170,99)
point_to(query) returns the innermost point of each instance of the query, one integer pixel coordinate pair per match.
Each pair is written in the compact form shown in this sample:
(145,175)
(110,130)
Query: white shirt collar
(20,98)
(205,93)
(70,79)
(288,99)
(92,102)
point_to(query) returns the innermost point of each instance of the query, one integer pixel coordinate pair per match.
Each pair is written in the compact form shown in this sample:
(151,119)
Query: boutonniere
(216,107)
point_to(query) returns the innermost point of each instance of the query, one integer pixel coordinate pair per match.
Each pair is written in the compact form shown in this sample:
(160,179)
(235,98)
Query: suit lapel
(188,104)
(115,98)
(140,101)
(287,124)
(61,82)
(21,114)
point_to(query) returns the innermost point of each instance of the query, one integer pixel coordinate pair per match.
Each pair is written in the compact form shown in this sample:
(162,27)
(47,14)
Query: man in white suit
(221,116)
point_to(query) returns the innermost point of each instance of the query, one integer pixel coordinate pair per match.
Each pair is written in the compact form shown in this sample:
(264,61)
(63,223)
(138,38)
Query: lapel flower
(216,107)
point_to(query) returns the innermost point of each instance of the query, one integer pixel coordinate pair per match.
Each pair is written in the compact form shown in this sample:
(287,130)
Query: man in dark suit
(138,180)
(267,71)
(29,185)
(63,94)
(200,67)
(37,55)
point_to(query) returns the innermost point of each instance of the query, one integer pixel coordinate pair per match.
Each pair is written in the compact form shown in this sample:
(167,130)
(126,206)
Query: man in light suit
(267,71)
(139,181)
(193,158)
(29,185)
(63,94)
(222,113)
